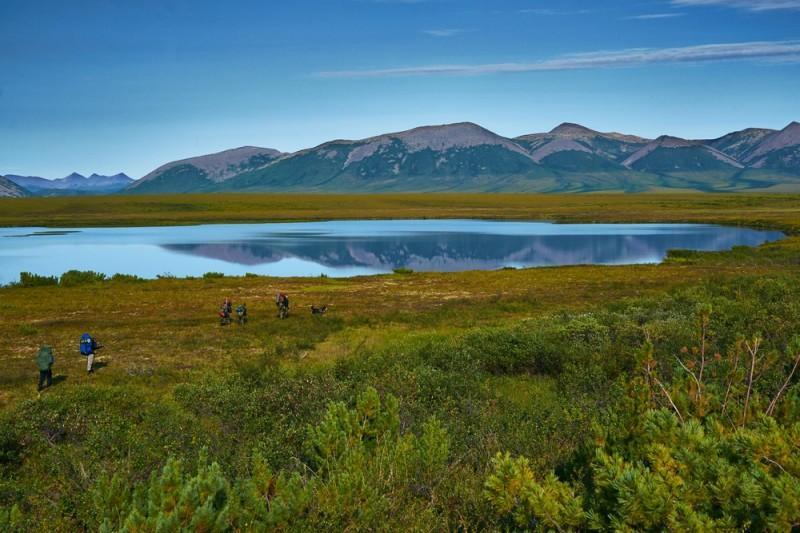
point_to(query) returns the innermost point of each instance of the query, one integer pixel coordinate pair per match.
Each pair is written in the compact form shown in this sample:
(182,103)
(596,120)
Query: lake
(351,248)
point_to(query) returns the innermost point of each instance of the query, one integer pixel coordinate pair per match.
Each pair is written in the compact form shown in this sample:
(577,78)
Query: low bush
(28,279)
(127,278)
(73,278)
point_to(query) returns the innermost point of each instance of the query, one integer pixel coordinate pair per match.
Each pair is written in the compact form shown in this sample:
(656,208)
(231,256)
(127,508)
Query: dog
(318,310)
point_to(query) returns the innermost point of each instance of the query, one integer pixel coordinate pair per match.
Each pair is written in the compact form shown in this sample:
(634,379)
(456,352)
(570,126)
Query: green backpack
(45,358)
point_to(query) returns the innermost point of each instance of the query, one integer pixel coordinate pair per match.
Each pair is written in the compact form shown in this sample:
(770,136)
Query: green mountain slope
(203,173)
(457,156)
(740,144)
(467,157)
(577,148)
(670,154)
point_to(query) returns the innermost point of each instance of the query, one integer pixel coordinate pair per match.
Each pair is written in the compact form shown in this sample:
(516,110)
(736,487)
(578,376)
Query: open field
(526,361)
(775,210)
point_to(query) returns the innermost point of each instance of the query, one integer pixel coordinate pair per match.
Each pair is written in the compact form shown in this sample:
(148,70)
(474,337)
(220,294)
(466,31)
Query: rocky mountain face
(455,156)
(9,189)
(73,184)
(670,154)
(740,144)
(572,147)
(778,150)
(468,157)
(205,172)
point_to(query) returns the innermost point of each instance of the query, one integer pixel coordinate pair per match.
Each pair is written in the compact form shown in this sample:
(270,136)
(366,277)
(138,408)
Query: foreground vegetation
(630,398)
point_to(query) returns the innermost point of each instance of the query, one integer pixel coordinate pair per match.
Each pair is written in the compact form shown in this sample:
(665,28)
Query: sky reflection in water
(349,248)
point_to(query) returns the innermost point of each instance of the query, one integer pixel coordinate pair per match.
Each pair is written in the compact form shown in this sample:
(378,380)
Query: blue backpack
(87,344)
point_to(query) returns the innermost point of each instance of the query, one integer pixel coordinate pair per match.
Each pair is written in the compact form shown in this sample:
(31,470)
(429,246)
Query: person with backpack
(88,347)
(282,301)
(224,315)
(45,360)
(241,312)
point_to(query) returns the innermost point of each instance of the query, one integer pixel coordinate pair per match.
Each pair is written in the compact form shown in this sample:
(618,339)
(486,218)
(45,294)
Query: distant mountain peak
(437,138)
(570,128)
(440,131)
(580,132)
(668,141)
(75,176)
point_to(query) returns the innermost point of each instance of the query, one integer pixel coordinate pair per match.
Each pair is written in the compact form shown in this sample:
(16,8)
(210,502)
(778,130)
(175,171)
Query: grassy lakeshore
(773,210)
(529,362)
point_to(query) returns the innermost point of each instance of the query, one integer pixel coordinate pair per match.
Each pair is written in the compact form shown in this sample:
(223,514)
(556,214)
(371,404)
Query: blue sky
(99,86)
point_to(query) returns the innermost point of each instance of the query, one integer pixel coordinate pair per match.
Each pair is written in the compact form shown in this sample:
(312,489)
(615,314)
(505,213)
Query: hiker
(224,315)
(88,347)
(45,360)
(282,301)
(318,310)
(241,312)
(228,306)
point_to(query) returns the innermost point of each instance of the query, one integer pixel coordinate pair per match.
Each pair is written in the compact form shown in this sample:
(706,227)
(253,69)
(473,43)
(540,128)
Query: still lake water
(350,248)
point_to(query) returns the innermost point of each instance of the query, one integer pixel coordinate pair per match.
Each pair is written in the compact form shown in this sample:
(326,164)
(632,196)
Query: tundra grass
(774,210)
(171,380)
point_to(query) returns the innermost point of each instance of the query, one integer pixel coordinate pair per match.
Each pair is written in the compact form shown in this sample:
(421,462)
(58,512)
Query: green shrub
(213,275)
(27,279)
(703,445)
(26,330)
(126,278)
(74,278)
(363,472)
(11,519)
(402,270)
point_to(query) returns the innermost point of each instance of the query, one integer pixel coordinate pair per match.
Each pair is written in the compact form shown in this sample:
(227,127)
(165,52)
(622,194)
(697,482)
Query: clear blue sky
(101,86)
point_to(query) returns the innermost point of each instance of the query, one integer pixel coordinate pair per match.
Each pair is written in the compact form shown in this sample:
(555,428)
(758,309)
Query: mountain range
(74,184)
(468,157)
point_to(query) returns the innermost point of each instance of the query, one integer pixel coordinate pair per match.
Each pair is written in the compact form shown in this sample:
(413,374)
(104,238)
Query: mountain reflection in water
(459,251)
(350,248)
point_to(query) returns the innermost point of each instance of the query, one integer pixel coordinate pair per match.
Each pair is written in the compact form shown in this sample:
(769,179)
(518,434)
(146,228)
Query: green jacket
(45,359)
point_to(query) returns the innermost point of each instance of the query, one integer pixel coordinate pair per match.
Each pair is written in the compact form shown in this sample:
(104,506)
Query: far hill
(671,154)
(460,156)
(74,184)
(467,157)
(207,172)
(572,147)
(778,150)
(9,189)
(740,144)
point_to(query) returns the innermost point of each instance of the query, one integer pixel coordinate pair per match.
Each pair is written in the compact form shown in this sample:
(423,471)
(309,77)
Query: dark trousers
(45,376)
